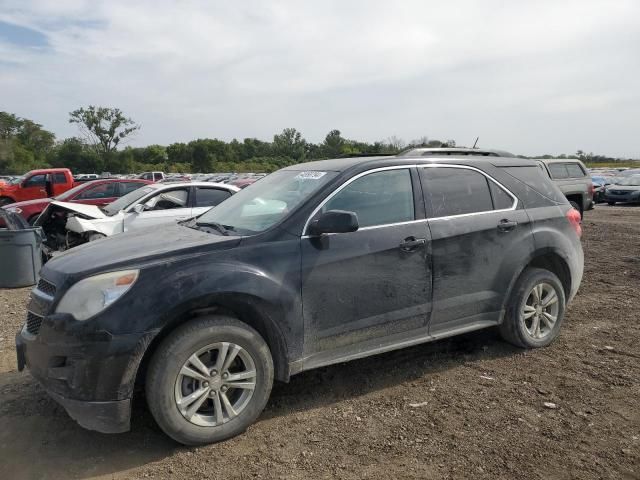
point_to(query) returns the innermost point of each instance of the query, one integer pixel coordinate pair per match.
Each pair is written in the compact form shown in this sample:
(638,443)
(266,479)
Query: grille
(33,323)
(46,287)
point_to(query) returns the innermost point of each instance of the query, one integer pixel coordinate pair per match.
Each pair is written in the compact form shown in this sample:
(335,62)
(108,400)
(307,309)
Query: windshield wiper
(223,229)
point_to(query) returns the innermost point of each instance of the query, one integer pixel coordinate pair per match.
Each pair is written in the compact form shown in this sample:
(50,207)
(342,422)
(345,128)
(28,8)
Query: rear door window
(126,187)
(59,177)
(379,198)
(456,191)
(501,199)
(104,190)
(210,197)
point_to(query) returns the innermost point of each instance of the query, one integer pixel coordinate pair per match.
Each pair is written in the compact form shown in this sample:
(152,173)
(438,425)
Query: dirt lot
(471,407)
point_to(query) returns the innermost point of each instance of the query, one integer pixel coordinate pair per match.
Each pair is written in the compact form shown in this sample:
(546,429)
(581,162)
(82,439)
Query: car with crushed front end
(315,264)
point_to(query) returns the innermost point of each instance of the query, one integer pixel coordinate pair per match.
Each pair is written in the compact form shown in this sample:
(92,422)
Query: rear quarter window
(534,178)
(575,170)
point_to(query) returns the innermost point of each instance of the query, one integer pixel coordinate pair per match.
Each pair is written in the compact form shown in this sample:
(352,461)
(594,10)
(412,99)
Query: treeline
(26,145)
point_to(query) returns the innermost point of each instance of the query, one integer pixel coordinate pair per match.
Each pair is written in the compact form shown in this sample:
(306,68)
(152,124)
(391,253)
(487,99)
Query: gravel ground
(470,407)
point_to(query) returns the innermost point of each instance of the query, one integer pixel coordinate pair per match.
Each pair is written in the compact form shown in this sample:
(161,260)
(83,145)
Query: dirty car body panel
(407,275)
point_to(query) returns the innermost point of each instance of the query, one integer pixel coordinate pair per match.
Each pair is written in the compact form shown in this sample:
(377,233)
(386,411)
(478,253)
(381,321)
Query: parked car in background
(43,183)
(599,184)
(96,192)
(85,177)
(625,190)
(68,224)
(152,176)
(574,181)
(316,264)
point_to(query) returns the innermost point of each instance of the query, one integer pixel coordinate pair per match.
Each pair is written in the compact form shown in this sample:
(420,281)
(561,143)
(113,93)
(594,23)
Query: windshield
(264,203)
(126,200)
(630,181)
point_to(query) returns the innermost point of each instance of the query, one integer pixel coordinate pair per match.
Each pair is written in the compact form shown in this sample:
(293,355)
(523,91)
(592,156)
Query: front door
(33,187)
(373,282)
(165,207)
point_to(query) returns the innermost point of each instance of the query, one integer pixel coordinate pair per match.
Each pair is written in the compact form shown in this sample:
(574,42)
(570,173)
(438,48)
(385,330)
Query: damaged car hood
(136,248)
(89,211)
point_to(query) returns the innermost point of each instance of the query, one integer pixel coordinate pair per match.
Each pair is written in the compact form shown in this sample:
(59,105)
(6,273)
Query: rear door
(60,183)
(374,282)
(479,239)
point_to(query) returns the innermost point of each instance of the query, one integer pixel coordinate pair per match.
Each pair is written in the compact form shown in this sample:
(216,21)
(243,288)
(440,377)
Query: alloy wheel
(540,311)
(215,384)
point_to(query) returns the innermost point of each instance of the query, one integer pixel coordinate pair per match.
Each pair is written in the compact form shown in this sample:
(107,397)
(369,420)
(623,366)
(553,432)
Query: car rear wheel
(33,218)
(576,206)
(535,311)
(209,380)
(5,201)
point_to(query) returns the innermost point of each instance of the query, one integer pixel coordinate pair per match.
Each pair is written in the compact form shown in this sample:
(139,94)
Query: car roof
(453,151)
(343,164)
(159,186)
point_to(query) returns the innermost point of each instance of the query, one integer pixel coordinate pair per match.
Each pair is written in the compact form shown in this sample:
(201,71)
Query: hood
(136,248)
(90,211)
(5,187)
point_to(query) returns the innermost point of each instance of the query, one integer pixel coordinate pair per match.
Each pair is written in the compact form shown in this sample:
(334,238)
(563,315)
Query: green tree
(289,143)
(104,128)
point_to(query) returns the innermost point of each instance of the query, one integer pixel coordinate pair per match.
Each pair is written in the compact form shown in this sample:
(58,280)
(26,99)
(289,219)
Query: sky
(530,77)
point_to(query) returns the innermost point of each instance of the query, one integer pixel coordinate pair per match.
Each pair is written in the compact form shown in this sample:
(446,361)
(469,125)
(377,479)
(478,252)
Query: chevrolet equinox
(315,264)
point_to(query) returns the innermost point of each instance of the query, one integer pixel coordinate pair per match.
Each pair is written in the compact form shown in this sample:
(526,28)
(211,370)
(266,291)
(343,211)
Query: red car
(97,192)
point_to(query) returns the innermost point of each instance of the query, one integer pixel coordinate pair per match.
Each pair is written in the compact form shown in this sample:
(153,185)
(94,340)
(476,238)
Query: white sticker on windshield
(310,175)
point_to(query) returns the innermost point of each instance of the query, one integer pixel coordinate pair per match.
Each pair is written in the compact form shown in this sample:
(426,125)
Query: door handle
(506,225)
(411,243)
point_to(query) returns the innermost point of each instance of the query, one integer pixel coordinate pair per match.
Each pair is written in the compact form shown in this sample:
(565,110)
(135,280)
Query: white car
(69,224)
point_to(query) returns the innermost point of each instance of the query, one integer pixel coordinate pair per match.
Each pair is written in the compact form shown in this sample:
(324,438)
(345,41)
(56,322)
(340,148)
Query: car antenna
(476,142)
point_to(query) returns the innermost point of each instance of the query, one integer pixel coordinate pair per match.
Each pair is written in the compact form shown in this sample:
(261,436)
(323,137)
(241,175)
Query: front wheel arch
(246,308)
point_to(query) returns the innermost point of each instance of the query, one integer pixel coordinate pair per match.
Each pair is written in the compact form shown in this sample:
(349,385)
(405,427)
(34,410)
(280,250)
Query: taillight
(591,189)
(573,216)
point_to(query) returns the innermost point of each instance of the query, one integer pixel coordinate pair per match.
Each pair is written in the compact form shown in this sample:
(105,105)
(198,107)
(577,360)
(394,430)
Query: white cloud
(189,69)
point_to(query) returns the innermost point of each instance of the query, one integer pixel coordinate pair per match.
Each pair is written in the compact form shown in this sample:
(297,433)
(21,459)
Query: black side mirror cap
(334,221)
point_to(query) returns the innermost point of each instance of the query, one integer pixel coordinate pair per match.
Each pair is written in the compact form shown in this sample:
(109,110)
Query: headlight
(92,295)
(14,209)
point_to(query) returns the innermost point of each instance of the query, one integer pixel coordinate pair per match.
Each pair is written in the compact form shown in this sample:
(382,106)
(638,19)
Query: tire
(515,329)
(611,204)
(576,206)
(166,382)
(5,201)
(32,219)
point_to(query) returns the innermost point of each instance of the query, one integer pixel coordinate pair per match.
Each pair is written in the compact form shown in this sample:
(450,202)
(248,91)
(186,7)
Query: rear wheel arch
(246,308)
(546,259)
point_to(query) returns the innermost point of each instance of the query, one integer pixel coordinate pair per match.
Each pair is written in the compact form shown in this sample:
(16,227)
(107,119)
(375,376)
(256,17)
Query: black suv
(315,264)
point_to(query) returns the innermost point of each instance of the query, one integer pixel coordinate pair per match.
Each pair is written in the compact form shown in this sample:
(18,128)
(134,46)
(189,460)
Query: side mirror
(334,221)
(139,208)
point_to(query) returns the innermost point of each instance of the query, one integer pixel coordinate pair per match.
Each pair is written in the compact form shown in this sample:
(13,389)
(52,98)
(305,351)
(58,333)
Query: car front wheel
(209,380)
(535,310)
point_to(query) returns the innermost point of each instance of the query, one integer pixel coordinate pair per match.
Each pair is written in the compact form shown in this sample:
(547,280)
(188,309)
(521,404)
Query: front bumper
(91,374)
